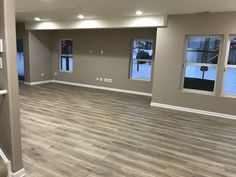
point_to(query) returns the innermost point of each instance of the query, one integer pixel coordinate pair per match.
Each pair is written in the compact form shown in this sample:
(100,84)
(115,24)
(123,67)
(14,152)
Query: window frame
(226,66)
(147,60)
(69,56)
(185,64)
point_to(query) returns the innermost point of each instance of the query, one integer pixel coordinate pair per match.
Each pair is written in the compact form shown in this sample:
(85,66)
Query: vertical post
(10,135)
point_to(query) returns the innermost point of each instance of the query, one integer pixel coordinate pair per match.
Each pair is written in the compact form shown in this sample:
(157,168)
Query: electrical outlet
(107,80)
(102,52)
(42,74)
(55,73)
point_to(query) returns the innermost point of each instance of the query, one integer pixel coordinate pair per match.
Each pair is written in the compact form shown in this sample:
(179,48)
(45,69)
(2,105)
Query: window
(201,59)
(66,55)
(230,70)
(141,59)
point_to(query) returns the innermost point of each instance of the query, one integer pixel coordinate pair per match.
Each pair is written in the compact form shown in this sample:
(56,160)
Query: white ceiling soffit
(128,22)
(54,10)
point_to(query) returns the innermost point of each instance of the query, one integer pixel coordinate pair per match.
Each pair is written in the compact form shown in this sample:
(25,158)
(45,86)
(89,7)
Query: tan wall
(37,53)
(169,61)
(10,136)
(39,44)
(114,63)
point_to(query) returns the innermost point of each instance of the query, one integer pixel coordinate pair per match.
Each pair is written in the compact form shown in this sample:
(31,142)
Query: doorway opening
(20,60)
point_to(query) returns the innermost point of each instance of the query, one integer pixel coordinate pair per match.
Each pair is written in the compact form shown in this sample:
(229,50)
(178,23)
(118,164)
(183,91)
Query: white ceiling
(27,10)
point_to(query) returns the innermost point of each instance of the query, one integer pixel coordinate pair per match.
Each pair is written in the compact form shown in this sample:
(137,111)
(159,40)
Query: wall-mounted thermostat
(1,46)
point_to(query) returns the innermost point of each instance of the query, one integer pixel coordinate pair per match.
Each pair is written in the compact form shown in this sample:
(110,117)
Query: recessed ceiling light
(139,12)
(80,16)
(37,19)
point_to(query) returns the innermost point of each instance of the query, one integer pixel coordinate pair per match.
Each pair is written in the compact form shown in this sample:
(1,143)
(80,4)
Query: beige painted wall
(10,135)
(114,63)
(37,53)
(169,61)
(39,44)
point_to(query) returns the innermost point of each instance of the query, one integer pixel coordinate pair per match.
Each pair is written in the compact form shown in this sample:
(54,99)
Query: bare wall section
(39,47)
(114,63)
(169,61)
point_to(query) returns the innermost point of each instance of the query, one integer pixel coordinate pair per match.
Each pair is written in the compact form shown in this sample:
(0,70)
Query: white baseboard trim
(38,83)
(7,162)
(198,111)
(20,173)
(4,158)
(102,88)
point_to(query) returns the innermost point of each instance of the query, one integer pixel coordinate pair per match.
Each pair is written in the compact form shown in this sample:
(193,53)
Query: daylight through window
(230,70)
(66,55)
(200,68)
(141,61)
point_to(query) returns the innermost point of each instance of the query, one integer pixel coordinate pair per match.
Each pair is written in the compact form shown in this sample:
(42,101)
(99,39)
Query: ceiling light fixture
(37,19)
(139,12)
(80,16)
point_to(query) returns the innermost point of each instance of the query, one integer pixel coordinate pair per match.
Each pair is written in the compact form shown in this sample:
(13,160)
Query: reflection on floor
(78,132)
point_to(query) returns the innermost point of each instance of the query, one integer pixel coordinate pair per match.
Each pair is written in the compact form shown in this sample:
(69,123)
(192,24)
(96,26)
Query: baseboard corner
(20,173)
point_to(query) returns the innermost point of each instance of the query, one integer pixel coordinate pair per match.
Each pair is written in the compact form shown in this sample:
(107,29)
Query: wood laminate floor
(78,132)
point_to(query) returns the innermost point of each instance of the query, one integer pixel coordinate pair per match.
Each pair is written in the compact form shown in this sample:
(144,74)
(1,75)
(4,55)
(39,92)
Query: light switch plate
(1,63)
(1,46)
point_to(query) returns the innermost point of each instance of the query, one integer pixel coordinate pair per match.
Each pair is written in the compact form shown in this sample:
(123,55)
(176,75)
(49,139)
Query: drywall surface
(39,55)
(113,63)
(169,61)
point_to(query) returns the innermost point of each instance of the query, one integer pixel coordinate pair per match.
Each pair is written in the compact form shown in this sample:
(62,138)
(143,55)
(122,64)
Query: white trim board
(103,88)
(197,111)
(20,173)
(4,158)
(38,83)
(7,162)
(89,86)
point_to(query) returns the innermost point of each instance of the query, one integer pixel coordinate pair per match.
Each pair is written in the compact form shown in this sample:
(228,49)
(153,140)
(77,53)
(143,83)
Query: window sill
(199,92)
(66,71)
(228,96)
(140,80)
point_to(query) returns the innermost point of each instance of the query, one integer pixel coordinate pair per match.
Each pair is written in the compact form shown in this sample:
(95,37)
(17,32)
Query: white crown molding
(105,23)
(197,111)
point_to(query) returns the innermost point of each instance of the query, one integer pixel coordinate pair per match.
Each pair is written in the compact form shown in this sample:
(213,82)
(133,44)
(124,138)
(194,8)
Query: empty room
(113,88)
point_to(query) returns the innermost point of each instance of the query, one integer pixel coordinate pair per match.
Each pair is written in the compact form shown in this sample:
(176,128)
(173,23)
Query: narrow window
(141,59)
(230,70)
(66,56)
(200,67)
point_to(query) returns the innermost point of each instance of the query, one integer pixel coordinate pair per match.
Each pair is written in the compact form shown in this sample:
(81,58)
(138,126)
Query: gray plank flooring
(78,132)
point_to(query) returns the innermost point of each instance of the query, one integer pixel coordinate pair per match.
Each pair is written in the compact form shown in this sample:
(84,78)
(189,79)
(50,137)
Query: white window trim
(225,68)
(131,60)
(60,55)
(185,63)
